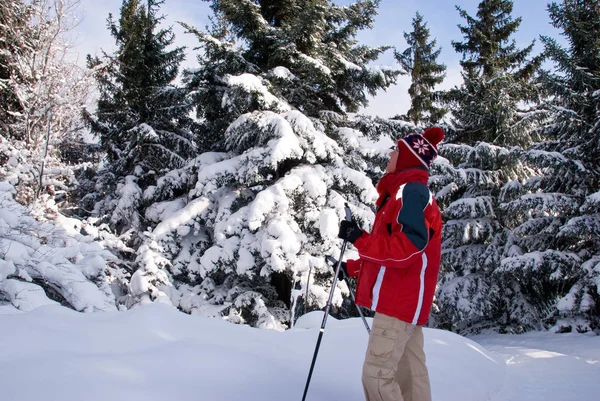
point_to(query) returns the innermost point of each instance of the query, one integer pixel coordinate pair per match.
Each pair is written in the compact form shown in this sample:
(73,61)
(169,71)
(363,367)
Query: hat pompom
(434,135)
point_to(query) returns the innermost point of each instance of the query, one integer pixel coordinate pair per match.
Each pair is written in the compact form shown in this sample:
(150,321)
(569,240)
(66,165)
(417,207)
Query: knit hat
(416,150)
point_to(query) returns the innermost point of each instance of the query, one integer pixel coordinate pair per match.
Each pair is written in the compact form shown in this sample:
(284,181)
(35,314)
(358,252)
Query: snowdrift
(155,352)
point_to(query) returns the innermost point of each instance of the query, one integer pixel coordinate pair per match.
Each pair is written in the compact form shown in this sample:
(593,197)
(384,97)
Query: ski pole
(358,308)
(360,312)
(307,286)
(324,322)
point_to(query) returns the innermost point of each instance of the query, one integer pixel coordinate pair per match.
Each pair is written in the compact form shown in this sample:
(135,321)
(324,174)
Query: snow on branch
(41,261)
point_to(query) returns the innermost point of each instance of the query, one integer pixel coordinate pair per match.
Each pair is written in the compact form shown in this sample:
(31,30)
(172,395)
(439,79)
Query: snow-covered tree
(492,104)
(467,181)
(43,94)
(550,274)
(46,261)
(536,264)
(556,216)
(575,84)
(142,118)
(420,60)
(14,17)
(503,265)
(307,52)
(507,260)
(249,239)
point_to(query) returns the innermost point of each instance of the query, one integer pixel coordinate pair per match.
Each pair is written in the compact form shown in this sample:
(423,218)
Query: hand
(349,231)
(343,273)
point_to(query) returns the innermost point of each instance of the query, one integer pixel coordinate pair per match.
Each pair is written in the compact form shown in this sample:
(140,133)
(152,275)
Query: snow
(328,223)
(160,210)
(316,63)
(252,83)
(350,65)
(129,195)
(535,260)
(55,254)
(595,197)
(147,131)
(470,207)
(282,73)
(53,353)
(546,366)
(183,217)
(26,296)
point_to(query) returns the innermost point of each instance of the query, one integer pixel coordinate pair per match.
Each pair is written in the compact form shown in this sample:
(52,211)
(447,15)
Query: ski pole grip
(348,212)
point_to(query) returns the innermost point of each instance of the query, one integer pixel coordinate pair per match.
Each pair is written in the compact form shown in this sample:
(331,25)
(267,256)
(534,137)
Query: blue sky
(395,17)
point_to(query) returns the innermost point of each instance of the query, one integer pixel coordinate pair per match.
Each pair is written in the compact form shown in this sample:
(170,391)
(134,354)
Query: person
(397,269)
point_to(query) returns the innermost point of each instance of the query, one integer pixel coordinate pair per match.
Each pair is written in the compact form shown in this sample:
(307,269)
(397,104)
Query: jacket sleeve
(353,267)
(410,236)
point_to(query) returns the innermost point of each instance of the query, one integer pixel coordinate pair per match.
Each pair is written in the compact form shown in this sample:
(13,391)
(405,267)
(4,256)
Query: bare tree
(49,88)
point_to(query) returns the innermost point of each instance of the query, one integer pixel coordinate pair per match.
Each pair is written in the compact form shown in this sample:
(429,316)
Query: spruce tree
(550,247)
(467,181)
(142,118)
(316,42)
(575,85)
(541,269)
(306,49)
(485,167)
(497,76)
(248,240)
(420,60)
(556,216)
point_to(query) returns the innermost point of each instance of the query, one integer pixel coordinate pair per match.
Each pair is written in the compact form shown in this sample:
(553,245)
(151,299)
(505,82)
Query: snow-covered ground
(547,366)
(157,353)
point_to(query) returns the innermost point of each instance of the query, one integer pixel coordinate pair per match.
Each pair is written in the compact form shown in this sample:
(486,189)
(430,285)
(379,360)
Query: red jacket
(400,259)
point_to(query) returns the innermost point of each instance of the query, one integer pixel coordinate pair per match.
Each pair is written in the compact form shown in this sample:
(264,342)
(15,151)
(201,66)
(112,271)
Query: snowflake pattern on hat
(421,146)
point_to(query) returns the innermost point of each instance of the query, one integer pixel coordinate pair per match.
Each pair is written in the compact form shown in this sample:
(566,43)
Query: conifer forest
(218,189)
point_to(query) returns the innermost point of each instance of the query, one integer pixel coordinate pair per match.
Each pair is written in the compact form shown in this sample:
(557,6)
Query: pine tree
(497,78)
(550,245)
(487,171)
(305,49)
(575,87)
(142,118)
(467,181)
(420,60)
(543,270)
(557,216)
(248,240)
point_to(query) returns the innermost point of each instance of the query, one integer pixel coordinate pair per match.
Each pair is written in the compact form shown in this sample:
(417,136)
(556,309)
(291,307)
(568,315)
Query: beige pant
(394,368)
